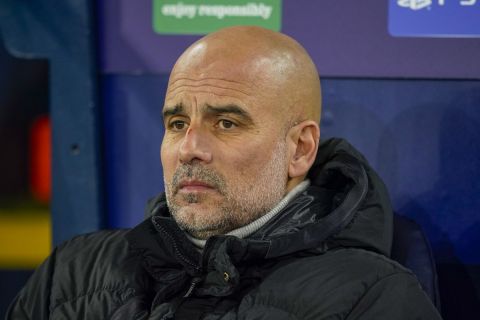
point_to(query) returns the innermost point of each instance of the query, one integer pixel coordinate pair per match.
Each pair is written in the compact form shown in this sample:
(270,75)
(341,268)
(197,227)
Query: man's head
(241,118)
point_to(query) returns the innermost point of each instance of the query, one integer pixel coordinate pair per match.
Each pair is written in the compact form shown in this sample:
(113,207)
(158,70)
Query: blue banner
(434,18)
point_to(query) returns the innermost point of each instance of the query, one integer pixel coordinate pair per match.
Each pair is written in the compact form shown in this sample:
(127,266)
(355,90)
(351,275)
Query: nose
(195,146)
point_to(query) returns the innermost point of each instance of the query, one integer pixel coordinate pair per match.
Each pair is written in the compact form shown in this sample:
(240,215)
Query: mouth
(189,186)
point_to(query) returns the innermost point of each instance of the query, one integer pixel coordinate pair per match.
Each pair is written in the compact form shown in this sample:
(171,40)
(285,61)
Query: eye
(226,124)
(178,125)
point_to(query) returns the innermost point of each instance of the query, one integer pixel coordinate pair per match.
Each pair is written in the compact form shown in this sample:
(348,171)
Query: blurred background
(82,86)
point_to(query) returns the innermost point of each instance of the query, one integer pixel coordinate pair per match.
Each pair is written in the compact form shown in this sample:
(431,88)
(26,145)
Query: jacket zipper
(175,246)
(195,281)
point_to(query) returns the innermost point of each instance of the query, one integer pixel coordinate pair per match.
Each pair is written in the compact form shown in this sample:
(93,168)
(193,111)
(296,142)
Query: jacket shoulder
(88,273)
(336,283)
(90,264)
(98,246)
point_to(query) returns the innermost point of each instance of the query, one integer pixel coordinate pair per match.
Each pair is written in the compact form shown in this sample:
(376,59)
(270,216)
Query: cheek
(249,162)
(168,160)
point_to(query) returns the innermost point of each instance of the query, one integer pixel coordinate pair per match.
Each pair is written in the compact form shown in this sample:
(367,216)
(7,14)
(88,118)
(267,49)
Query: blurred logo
(420,4)
(414,4)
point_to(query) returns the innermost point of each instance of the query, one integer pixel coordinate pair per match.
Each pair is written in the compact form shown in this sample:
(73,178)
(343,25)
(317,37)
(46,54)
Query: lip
(194,186)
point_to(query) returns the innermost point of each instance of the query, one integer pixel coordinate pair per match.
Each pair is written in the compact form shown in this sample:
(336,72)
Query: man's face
(224,153)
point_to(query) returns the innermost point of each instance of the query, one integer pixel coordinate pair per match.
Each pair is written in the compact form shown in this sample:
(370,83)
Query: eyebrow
(213,110)
(230,109)
(171,111)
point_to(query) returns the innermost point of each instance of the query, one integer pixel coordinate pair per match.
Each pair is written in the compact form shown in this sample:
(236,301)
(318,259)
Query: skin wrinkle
(209,92)
(207,79)
(210,85)
(248,168)
(173,86)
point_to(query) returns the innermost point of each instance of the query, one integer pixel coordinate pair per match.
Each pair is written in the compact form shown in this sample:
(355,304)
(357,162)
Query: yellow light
(25,239)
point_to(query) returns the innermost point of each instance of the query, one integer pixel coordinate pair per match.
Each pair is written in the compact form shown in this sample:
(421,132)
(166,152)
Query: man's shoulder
(337,279)
(89,273)
(349,264)
(338,284)
(91,242)
(90,252)
(91,263)
(358,262)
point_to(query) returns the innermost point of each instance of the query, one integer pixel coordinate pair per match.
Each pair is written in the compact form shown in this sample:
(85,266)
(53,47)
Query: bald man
(258,221)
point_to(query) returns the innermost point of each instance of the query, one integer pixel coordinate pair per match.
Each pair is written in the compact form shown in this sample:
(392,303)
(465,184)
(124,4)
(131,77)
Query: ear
(304,140)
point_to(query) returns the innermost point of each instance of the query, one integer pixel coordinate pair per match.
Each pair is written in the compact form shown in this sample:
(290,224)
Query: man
(257,221)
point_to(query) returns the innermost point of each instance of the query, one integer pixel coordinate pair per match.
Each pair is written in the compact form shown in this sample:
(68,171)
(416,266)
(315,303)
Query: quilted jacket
(325,256)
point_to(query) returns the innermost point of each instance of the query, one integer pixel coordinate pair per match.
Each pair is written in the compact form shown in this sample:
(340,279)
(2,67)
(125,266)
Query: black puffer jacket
(323,257)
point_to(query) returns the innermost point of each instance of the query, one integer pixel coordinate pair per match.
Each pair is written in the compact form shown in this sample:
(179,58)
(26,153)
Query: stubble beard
(241,200)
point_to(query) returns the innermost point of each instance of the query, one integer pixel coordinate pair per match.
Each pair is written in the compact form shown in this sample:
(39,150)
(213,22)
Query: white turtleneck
(253,226)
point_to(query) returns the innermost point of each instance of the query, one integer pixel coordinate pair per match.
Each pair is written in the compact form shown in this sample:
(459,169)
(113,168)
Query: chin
(200,222)
(193,215)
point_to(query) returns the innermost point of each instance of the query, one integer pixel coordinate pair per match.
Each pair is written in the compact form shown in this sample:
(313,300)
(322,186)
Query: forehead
(221,85)
(204,76)
(205,66)
(209,88)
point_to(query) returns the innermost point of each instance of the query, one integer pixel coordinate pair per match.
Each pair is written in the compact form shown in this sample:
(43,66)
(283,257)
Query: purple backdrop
(345,38)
